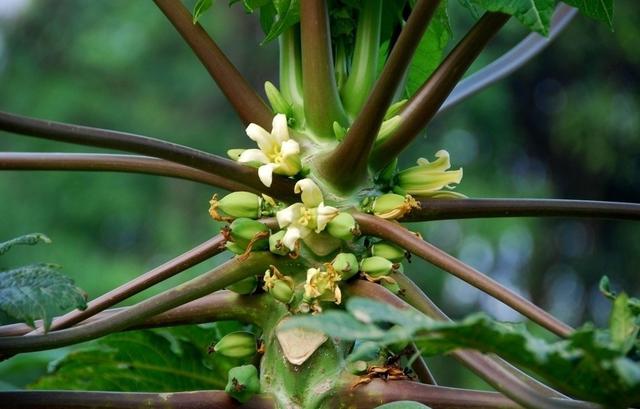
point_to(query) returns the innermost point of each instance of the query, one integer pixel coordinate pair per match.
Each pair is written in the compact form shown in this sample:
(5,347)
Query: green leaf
(605,289)
(288,14)
(534,14)
(142,361)
(601,10)
(430,51)
(199,9)
(590,364)
(37,291)
(623,324)
(27,239)
(403,404)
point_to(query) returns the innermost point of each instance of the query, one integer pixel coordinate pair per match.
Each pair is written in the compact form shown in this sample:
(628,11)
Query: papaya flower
(429,179)
(322,286)
(277,153)
(308,217)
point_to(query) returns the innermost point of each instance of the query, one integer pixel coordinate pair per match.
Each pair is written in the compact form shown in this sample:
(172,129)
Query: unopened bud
(339,131)
(235,153)
(241,204)
(243,383)
(388,127)
(239,344)
(343,227)
(376,266)
(278,285)
(282,292)
(346,264)
(244,231)
(388,251)
(277,101)
(245,286)
(393,206)
(395,109)
(276,246)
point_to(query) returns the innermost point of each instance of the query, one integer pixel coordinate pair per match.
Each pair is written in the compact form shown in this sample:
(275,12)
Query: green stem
(128,400)
(216,279)
(113,163)
(443,209)
(365,58)
(423,106)
(291,67)
(346,167)
(281,188)
(387,230)
(167,270)
(244,99)
(222,305)
(322,105)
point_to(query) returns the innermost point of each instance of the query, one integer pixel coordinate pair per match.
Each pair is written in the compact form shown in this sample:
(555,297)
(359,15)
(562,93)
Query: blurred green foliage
(566,126)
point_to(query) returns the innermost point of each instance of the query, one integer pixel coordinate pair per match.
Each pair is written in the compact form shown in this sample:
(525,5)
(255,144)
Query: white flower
(430,178)
(278,154)
(302,219)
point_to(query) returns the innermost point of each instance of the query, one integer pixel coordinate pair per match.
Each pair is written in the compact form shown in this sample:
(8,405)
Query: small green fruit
(389,251)
(241,204)
(376,266)
(243,383)
(239,344)
(346,264)
(245,286)
(275,244)
(343,227)
(243,230)
(282,291)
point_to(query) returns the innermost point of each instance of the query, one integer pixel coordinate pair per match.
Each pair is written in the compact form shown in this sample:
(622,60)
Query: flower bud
(278,285)
(241,204)
(429,178)
(346,264)
(339,131)
(391,285)
(388,127)
(343,227)
(234,248)
(245,286)
(239,344)
(234,154)
(389,251)
(395,109)
(243,231)
(243,383)
(393,206)
(276,246)
(277,101)
(357,367)
(376,266)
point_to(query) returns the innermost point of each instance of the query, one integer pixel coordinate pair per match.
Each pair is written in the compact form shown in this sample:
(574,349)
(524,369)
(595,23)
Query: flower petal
(324,215)
(265,173)
(264,139)
(311,193)
(280,130)
(253,155)
(286,216)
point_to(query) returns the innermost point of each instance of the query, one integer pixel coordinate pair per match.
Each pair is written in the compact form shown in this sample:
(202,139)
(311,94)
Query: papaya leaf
(605,289)
(623,324)
(27,239)
(288,14)
(200,8)
(37,291)
(533,14)
(591,364)
(430,50)
(142,361)
(601,10)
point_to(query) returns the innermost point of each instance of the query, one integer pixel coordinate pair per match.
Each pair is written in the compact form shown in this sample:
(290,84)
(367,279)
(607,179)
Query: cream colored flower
(302,219)
(322,286)
(430,178)
(278,153)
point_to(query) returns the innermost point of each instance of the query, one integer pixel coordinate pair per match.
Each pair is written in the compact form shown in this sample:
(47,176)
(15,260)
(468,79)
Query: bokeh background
(565,126)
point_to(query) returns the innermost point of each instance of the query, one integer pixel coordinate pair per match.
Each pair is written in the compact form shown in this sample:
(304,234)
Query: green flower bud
(376,266)
(346,264)
(239,344)
(275,244)
(245,286)
(243,231)
(277,101)
(388,251)
(393,206)
(357,367)
(235,153)
(243,383)
(339,131)
(392,285)
(241,204)
(343,227)
(282,292)
(430,178)
(388,127)
(395,109)
(234,248)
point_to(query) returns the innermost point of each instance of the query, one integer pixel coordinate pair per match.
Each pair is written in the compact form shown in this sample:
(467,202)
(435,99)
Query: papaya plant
(312,309)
